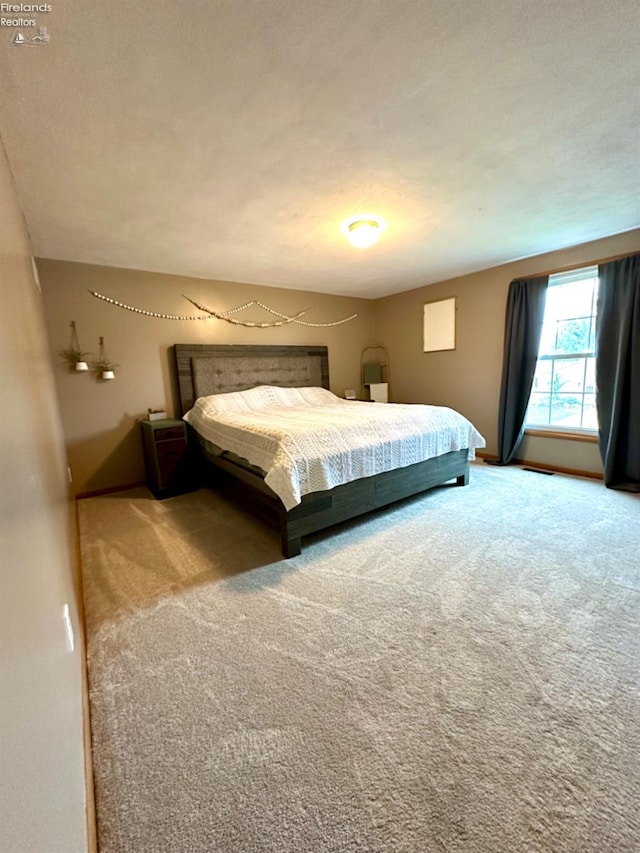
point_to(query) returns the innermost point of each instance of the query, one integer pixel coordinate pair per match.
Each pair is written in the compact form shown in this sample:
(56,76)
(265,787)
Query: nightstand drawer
(169,453)
(167,433)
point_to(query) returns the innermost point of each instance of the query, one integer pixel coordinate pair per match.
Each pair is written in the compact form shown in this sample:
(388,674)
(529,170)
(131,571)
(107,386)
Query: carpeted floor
(459,673)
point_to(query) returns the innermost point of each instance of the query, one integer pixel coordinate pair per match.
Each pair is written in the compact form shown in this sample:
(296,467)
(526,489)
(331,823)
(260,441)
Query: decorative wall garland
(226,315)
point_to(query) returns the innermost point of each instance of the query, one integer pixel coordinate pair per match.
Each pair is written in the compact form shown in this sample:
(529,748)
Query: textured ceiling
(228,139)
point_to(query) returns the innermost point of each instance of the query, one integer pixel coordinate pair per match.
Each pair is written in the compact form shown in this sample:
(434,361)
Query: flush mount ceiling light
(363,230)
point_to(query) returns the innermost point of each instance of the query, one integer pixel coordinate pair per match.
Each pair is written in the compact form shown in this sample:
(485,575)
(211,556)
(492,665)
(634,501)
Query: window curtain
(523,327)
(618,372)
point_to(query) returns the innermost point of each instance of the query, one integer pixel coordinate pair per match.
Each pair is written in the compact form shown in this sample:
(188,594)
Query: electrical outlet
(68,628)
(36,277)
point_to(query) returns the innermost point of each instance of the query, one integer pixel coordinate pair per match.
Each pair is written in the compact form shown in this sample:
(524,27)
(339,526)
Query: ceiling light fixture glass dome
(363,230)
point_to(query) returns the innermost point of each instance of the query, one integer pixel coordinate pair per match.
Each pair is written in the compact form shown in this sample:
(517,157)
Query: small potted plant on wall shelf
(103,366)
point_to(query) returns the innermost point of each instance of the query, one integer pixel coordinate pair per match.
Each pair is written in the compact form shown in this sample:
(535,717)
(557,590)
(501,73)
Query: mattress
(308,440)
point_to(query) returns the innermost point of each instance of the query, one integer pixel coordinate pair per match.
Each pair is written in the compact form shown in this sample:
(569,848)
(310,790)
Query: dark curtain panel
(618,372)
(523,326)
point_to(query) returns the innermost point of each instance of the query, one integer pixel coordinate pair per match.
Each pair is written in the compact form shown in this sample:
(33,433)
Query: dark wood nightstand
(166,456)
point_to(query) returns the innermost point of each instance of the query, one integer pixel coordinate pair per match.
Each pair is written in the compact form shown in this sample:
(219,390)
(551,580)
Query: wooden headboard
(204,369)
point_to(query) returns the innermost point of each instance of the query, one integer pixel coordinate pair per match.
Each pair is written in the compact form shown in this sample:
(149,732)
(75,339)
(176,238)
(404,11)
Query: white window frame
(582,273)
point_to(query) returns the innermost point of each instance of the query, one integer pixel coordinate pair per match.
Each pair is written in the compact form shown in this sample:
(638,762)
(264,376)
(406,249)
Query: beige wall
(101,418)
(41,744)
(468,379)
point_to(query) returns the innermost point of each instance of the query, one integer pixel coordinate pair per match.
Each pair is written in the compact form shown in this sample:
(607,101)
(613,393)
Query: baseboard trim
(90,794)
(544,466)
(95,493)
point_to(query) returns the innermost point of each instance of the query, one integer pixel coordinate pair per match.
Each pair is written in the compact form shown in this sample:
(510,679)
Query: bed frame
(204,369)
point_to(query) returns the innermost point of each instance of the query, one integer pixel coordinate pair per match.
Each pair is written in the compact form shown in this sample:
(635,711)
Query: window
(563,394)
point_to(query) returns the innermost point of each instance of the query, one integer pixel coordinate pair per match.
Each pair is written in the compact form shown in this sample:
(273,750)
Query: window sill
(591,437)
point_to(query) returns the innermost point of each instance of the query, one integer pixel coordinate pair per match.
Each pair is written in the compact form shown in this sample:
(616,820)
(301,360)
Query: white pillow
(262,397)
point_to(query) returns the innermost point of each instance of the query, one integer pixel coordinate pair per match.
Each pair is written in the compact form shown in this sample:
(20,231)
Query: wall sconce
(75,358)
(363,230)
(103,366)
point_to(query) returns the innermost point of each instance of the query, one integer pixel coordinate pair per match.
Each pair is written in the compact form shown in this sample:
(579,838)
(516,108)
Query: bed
(227,392)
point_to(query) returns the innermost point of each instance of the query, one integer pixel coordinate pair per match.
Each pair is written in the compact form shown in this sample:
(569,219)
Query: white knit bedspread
(308,440)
